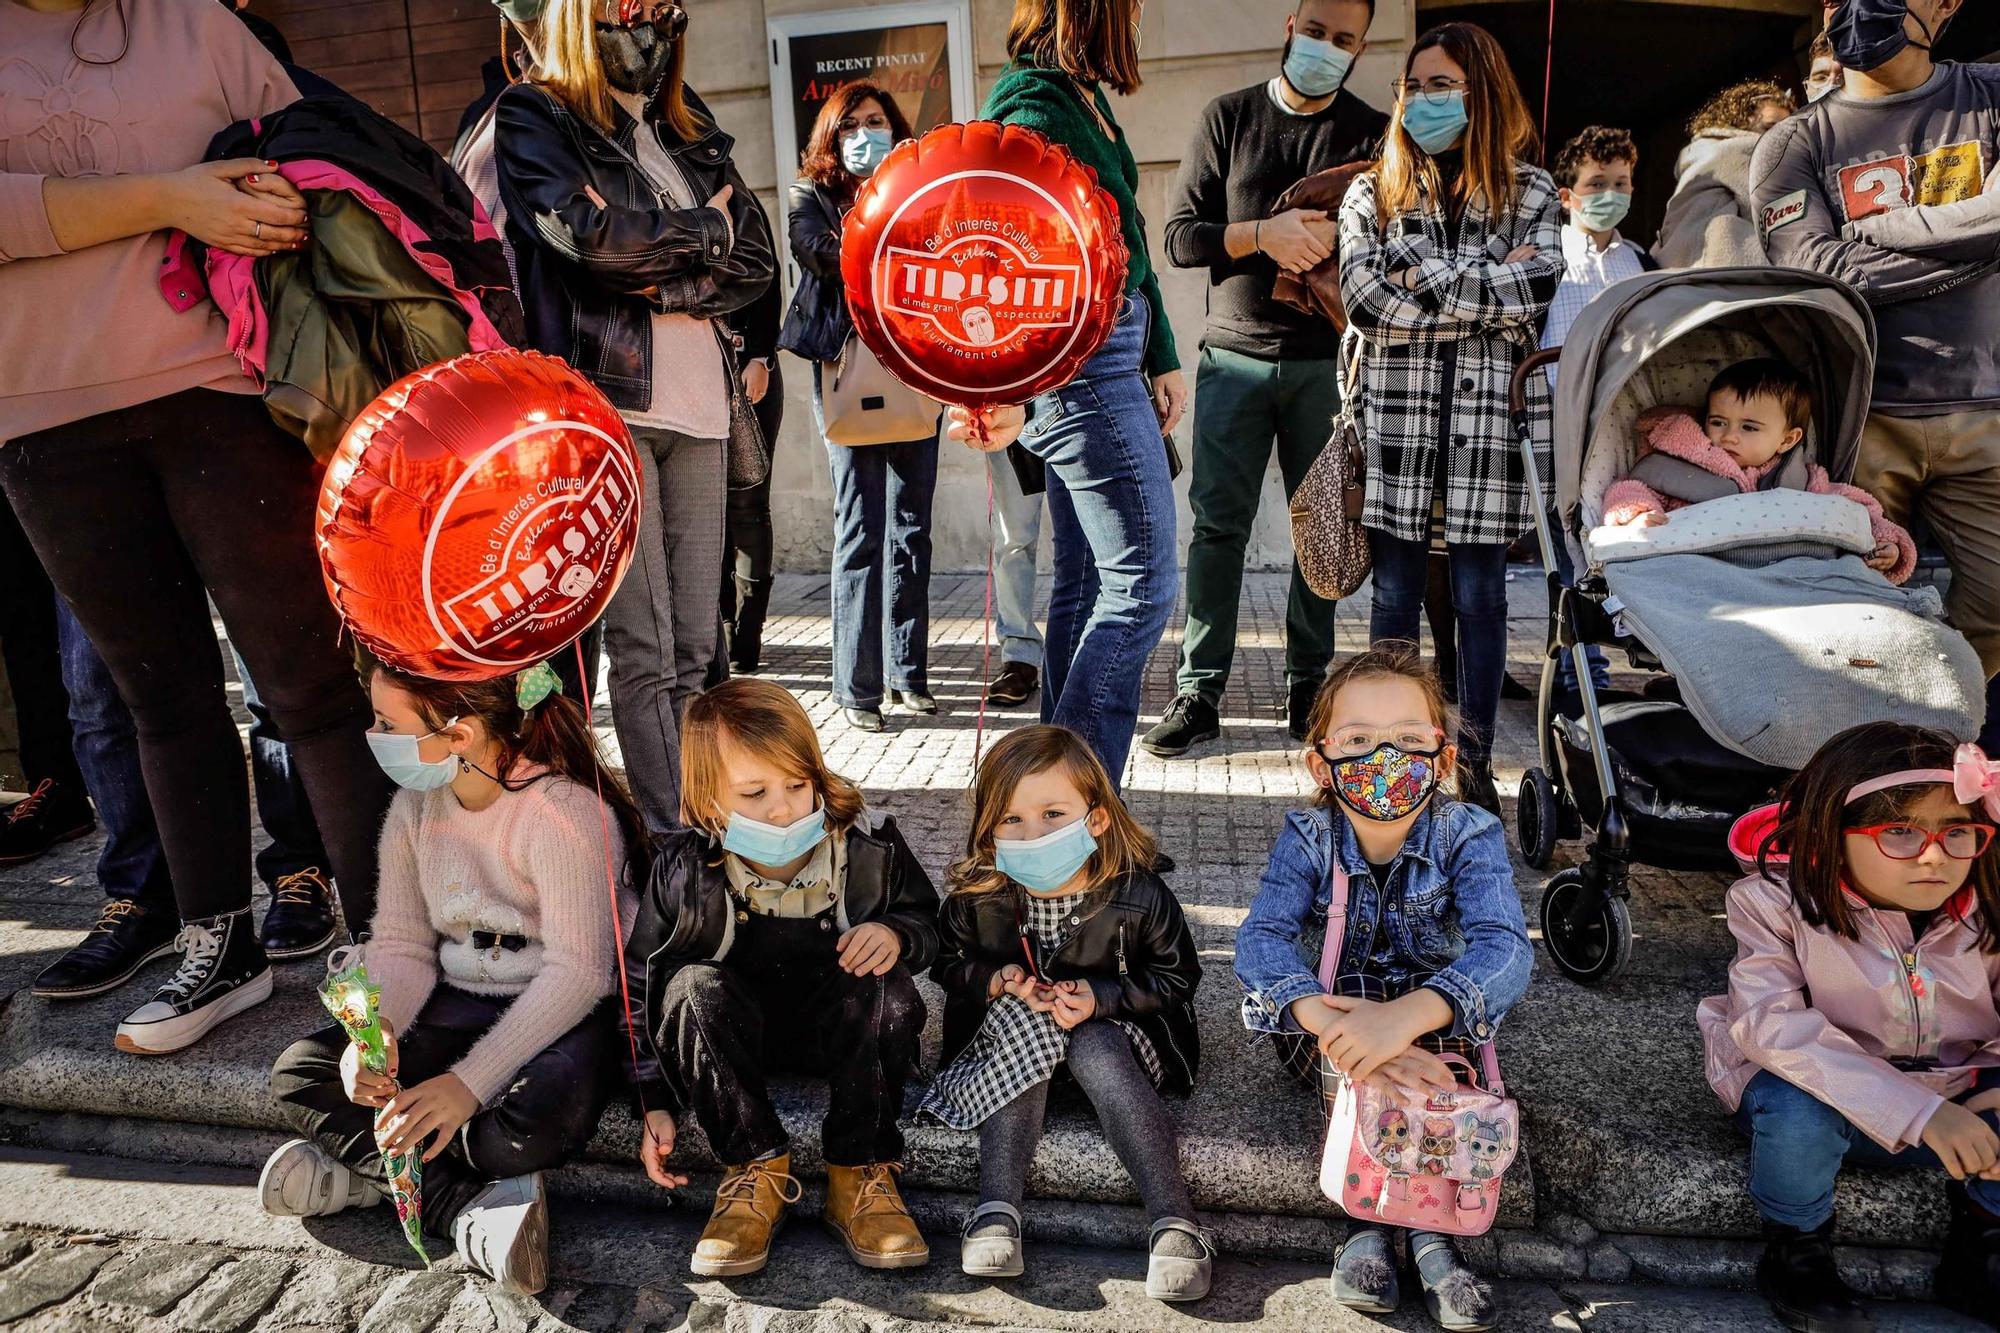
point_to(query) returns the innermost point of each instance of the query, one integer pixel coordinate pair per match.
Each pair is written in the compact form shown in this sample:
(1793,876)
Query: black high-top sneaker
(223,971)
(54,812)
(1800,1279)
(300,920)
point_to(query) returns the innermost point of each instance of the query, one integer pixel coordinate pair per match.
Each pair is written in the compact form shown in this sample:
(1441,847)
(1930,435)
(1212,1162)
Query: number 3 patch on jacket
(1944,175)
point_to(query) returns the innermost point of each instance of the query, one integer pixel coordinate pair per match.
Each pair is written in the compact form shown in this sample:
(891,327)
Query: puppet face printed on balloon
(1387,783)
(978,322)
(576,581)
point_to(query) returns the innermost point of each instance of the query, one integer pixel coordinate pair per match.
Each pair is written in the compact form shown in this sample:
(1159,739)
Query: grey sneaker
(990,1245)
(302,1181)
(504,1233)
(1171,1273)
(1458,1298)
(1364,1272)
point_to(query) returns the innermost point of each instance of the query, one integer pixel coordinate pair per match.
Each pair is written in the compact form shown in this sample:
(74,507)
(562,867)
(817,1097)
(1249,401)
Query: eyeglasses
(1353,742)
(1907,842)
(1433,90)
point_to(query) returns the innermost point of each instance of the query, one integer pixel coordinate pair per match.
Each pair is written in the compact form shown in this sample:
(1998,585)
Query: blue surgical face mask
(406,768)
(1601,211)
(1434,125)
(1316,67)
(774,844)
(862,150)
(1046,863)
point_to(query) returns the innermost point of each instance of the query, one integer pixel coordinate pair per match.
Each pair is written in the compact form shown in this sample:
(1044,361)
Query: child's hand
(434,1110)
(870,950)
(1365,1036)
(365,1087)
(1885,557)
(1314,1012)
(1004,981)
(1416,1072)
(1074,1003)
(656,1145)
(1965,1143)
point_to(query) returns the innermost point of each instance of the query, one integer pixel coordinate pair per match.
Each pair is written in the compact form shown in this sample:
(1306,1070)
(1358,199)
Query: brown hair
(1821,49)
(1089,40)
(1124,846)
(1735,107)
(1395,659)
(567,65)
(1764,375)
(1499,132)
(1595,143)
(555,735)
(765,719)
(1813,817)
(821,163)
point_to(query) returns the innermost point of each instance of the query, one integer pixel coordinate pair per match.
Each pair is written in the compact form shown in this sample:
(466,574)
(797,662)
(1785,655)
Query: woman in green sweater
(1111,499)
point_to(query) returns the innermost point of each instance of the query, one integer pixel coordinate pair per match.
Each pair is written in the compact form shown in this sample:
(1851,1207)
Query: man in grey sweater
(1889,183)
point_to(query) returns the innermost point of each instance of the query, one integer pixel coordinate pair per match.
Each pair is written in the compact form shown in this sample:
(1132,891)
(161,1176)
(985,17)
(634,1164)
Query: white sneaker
(504,1233)
(223,971)
(302,1181)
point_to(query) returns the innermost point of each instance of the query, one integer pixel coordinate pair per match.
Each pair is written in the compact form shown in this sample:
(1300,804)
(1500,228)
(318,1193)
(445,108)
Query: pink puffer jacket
(1831,1014)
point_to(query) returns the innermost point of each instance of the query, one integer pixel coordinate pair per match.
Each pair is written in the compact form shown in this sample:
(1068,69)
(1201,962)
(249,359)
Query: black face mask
(1868,34)
(635,58)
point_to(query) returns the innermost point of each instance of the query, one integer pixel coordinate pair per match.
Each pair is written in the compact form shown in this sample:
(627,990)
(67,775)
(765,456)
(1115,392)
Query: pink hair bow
(1975,778)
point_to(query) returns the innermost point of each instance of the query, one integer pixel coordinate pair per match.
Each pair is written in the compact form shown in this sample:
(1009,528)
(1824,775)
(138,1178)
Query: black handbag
(748,453)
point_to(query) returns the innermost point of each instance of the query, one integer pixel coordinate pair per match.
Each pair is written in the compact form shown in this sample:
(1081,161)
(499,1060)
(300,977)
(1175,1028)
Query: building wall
(418,61)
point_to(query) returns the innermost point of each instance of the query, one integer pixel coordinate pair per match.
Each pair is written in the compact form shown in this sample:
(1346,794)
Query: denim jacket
(1451,911)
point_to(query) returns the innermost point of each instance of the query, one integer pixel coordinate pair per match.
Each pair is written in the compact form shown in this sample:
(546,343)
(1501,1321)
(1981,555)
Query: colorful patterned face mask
(1387,783)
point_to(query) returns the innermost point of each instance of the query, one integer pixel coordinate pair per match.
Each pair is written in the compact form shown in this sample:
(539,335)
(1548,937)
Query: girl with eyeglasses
(1451,251)
(1435,950)
(1860,1023)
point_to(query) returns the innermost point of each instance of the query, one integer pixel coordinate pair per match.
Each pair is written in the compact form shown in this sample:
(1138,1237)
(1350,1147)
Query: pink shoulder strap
(1336,921)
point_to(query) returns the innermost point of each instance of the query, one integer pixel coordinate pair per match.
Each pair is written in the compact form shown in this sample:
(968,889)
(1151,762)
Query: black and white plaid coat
(1436,358)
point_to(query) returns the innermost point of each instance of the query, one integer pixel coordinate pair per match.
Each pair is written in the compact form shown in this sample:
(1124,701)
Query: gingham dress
(1016,1047)
(1438,357)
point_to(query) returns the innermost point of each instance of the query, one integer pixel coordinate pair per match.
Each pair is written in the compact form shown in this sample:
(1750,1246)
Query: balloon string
(985,633)
(610,876)
(1548,80)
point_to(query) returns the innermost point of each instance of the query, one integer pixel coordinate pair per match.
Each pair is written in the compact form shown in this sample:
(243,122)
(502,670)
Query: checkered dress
(1438,357)
(1016,1047)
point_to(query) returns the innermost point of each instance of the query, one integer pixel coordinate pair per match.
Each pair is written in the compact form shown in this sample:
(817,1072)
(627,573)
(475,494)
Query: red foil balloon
(983,264)
(479,515)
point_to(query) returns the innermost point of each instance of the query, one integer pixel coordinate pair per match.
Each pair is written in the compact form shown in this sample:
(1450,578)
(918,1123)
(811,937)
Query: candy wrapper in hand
(353,1001)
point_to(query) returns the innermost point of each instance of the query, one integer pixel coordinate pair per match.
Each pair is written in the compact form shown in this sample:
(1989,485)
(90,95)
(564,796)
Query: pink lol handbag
(1430,1162)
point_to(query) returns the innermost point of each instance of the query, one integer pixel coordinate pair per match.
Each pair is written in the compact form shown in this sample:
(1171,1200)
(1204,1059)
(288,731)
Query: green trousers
(1240,405)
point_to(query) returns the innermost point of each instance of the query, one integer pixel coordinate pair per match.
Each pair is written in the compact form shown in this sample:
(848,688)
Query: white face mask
(406,768)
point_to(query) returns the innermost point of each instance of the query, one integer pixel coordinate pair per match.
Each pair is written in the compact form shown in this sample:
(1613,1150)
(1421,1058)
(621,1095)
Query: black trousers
(747,538)
(779,1002)
(141,516)
(538,1122)
(34,661)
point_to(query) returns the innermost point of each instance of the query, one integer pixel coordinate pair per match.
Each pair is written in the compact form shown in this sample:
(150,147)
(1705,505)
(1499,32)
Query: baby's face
(1752,431)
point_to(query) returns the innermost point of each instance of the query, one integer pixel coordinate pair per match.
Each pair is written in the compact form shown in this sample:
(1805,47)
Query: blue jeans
(1111,516)
(1017,519)
(881,565)
(133,864)
(282,806)
(1478,599)
(1798,1144)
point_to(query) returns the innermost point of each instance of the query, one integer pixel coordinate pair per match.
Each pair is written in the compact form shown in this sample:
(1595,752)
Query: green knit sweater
(1047,101)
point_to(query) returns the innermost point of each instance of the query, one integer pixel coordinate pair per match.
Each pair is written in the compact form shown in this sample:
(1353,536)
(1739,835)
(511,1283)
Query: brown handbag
(1317,290)
(1328,540)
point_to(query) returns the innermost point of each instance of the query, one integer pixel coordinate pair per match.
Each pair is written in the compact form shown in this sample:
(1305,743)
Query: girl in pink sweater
(1755,418)
(496,947)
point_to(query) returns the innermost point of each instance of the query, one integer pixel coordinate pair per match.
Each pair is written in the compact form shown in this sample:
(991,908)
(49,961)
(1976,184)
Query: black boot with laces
(1189,720)
(54,812)
(1798,1276)
(223,971)
(300,920)
(127,936)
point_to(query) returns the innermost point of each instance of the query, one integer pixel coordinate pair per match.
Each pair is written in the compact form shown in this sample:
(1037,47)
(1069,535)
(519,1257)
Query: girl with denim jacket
(1862,1022)
(1435,937)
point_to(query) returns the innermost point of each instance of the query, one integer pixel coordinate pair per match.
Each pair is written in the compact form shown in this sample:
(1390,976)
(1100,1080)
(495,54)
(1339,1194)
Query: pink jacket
(1675,432)
(1830,1014)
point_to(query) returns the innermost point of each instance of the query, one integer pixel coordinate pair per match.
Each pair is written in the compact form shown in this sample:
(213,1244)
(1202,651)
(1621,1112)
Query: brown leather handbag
(1317,290)
(1327,537)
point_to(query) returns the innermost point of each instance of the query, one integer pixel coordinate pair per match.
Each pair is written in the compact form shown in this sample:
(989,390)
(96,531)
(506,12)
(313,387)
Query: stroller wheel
(1535,818)
(1595,950)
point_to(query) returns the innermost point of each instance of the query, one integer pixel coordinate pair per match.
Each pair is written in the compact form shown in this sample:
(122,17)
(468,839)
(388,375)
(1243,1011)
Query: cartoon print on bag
(1488,1140)
(1440,1142)
(1392,1136)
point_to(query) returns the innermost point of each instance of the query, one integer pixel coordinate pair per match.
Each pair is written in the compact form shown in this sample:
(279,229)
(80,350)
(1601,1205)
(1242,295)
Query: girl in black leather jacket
(1062,951)
(634,235)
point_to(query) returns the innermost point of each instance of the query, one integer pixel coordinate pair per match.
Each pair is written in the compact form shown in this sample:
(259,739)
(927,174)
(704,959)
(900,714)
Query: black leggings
(140,517)
(544,1116)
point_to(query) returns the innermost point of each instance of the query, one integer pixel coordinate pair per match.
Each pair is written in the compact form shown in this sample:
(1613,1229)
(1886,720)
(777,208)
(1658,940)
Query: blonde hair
(567,65)
(1122,848)
(1499,134)
(767,721)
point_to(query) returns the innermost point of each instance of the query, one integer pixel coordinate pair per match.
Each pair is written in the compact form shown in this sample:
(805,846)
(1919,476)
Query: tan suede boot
(864,1209)
(749,1206)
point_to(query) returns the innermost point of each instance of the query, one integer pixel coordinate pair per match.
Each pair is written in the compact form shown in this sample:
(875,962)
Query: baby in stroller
(1747,440)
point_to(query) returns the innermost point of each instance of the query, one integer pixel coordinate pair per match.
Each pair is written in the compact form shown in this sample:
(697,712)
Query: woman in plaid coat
(1451,251)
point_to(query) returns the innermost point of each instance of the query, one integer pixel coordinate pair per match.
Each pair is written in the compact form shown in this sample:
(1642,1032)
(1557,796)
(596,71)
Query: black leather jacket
(686,916)
(595,269)
(1135,951)
(817,325)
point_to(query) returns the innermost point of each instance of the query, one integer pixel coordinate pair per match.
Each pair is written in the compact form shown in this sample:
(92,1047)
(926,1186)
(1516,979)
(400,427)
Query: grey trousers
(661,627)
(1017,519)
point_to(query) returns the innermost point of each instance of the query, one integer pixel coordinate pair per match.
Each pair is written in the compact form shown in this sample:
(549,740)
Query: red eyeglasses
(1907,842)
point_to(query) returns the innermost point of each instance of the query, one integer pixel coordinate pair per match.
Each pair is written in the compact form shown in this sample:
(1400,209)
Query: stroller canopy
(1624,342)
